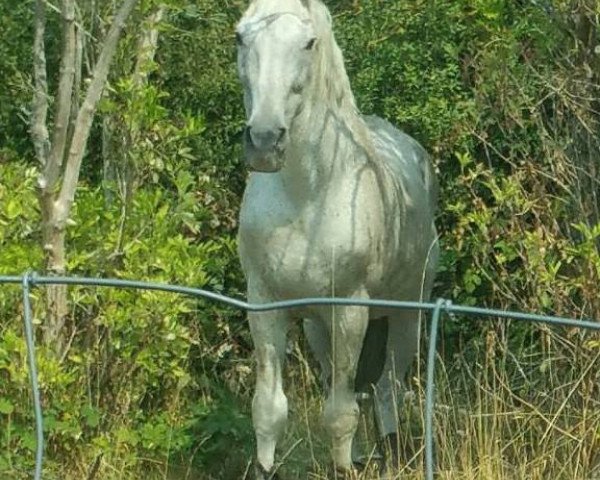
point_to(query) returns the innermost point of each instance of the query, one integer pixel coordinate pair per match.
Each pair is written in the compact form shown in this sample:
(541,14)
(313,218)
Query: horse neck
(328,136)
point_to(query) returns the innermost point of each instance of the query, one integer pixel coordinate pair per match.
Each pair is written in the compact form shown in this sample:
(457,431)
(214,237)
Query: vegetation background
(506,96)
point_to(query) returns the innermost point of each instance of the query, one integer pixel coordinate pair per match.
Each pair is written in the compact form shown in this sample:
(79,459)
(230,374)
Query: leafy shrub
(503,94)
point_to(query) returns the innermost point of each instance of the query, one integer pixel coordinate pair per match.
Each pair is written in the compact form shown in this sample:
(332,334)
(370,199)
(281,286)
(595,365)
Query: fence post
(26,285)
(430,387)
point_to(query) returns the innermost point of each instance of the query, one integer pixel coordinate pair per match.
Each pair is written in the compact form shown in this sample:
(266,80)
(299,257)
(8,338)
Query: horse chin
(264,162)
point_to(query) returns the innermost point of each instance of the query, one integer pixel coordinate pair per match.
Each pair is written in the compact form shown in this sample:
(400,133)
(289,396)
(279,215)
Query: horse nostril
(265,138)
(282,132)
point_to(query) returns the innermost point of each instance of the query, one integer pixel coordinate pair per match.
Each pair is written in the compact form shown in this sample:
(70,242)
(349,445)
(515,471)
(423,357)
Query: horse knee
(340,418)
(269,416)
(269,412)
(269,406)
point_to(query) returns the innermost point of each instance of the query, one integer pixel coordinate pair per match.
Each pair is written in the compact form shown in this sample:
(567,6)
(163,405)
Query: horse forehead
(276,28)
(262,8)
(263,13)
(288,27)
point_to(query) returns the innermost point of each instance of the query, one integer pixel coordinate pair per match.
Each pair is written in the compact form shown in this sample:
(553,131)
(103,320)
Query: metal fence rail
(30,280)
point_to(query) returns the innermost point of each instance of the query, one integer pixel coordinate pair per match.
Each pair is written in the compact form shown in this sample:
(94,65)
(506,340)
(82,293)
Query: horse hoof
(346,473)
(391,452)
(395,454)
(261,474)
(364,462)
(360,464)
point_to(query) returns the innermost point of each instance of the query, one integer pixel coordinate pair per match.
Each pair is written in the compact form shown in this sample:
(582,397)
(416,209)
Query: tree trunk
(56,295)
(587,136)
(61,157)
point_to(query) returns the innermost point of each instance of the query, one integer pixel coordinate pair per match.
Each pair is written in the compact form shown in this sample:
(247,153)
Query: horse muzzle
(266,138)
(263,150)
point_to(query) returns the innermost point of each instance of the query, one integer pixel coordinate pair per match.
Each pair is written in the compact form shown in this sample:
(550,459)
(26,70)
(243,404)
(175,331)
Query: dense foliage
(504,94)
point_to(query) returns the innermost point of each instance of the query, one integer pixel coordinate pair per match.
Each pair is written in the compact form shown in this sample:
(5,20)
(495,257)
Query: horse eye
(238,39)
(310,44)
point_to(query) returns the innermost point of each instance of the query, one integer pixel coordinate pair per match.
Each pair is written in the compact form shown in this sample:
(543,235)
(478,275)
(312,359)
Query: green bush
(503,96)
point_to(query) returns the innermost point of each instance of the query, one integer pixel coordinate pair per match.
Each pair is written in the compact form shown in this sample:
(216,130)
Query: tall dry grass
(532,414)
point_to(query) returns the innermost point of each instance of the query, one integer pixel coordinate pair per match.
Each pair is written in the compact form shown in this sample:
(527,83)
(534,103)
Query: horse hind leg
(402,344)
(317,335)
(370,365)
(372,355)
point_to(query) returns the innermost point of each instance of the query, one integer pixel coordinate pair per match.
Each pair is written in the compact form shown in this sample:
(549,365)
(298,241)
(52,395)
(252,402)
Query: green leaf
(13,209)
(6,407)
(128,436)
(91,415)
(28,440)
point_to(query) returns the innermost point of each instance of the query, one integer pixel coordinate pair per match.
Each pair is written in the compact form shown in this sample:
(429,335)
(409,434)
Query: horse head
(276,44)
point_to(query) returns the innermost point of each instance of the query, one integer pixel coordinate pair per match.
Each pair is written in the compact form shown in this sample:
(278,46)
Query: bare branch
(86,112)
(147,45)
(65,95)
(78,24)
(39,130)
(75,103)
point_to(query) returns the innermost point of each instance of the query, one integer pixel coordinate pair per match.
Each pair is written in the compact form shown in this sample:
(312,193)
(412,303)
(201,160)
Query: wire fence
(442,306)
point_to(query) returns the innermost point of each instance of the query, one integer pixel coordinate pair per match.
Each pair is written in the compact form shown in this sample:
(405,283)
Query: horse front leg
(341,412)
(269,406)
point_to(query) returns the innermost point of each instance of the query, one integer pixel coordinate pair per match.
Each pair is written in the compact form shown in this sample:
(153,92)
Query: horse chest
(312,251)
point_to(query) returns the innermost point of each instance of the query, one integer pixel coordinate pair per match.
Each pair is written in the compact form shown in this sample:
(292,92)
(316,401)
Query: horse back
(407,159)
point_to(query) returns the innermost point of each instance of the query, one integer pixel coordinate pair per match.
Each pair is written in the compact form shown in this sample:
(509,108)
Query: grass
(530,414)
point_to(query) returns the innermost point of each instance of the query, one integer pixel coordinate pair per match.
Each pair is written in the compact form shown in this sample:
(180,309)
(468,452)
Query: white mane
(333,87)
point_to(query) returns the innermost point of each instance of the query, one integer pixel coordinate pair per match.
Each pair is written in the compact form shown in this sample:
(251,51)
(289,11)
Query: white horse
(337,204)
